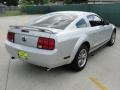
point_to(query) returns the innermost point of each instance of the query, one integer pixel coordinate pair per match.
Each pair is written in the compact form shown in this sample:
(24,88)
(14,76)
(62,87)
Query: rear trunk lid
(28,36)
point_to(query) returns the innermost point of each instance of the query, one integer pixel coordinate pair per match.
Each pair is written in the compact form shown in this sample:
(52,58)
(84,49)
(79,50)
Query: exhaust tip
(12,57)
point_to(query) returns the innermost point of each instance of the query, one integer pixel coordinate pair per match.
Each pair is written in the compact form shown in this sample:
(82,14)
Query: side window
(90,17)
(82,23)
(94,20)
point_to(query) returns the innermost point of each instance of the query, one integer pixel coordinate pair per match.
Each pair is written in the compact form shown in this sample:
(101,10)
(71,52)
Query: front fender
(113,26)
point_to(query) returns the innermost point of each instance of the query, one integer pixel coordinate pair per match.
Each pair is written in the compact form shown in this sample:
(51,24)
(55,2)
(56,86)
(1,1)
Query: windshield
(55,21)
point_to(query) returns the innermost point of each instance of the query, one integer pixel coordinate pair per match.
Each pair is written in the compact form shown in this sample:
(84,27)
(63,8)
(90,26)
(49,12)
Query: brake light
(46,43)
(10,36)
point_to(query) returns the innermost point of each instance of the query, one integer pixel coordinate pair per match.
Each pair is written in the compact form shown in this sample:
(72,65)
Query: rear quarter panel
(68,43)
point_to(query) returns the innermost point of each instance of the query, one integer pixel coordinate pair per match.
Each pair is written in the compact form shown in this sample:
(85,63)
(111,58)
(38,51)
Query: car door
(83,26)
(107,30)
(97,29)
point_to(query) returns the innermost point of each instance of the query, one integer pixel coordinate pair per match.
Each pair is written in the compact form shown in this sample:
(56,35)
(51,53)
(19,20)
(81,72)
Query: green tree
(26,2)
(80,1)
(53,1)
(33,2)
(68,1)
(10,2)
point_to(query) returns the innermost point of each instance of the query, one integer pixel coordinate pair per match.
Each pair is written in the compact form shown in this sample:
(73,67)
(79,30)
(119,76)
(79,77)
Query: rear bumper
(44,58)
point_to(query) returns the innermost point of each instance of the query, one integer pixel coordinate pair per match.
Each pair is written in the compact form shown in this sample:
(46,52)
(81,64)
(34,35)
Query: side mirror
(106,22)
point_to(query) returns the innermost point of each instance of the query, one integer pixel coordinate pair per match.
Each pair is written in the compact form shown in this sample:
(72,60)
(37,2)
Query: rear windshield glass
(56,21)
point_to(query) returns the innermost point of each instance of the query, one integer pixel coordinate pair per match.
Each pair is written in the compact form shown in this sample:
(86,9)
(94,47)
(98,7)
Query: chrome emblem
(24,39)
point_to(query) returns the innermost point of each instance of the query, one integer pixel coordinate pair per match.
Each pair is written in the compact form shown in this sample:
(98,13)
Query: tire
(79,62)
(112,39)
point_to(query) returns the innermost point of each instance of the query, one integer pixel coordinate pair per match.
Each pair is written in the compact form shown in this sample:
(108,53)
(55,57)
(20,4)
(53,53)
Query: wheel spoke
(113,37)
(82,57)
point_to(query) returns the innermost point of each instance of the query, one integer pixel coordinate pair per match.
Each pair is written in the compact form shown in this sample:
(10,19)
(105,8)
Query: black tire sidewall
(110,43)
(75,61)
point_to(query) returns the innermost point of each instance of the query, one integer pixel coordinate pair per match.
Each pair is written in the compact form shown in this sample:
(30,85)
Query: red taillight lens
(46,43)
(10,36)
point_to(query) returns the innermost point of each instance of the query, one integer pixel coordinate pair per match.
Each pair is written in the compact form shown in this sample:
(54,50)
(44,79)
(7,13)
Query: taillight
(46,43)
(10,36)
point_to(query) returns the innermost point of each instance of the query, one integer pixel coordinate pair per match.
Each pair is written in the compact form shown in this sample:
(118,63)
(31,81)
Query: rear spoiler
(33,28)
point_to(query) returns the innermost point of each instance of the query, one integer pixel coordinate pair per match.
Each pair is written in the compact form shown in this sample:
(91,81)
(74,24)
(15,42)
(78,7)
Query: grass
(12,13)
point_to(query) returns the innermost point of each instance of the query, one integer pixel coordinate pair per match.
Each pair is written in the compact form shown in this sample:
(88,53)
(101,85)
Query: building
(103,1)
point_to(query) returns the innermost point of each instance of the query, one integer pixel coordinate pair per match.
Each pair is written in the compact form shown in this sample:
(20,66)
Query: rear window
(56,21)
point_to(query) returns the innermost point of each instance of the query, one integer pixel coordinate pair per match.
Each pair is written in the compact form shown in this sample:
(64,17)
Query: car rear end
(34,45)
(39,43)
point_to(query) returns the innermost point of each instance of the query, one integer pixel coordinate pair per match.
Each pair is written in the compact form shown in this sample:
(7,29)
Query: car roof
(77,13)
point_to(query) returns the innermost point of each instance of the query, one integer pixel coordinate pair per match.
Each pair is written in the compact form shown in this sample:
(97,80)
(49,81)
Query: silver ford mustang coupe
(60,38)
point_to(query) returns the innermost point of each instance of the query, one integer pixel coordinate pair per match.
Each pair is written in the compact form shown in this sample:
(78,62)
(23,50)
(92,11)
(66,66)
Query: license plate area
(26,40)
(22,54)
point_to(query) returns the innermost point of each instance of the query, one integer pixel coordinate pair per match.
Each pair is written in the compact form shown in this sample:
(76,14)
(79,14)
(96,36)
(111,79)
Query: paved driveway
(101,73)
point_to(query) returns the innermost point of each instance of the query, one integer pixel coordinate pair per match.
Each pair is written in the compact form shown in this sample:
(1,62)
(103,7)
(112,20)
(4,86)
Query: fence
(8,8)
(111,12)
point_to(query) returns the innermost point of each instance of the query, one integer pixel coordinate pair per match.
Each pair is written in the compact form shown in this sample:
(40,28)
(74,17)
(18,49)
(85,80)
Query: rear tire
(112,39)
(80,59)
